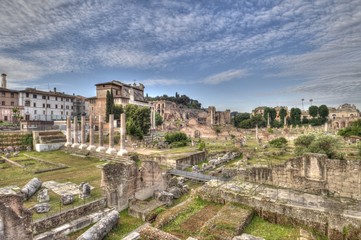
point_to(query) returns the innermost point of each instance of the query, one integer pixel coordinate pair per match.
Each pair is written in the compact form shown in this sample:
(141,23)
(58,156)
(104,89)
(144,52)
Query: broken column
(91,147)
(68,132)
(30,188)
(99,230)
(257,133)
(123,130)
(268,121)
(111,148)
(326,126)
(152,118)
(101,148)
(76,142)
(82,134)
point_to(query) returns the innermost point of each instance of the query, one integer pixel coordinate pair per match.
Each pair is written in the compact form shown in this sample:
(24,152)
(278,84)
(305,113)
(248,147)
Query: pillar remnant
(123,130)
(91,146)
(101,148)
(76,141)
(82,134)
(68,132)
(111,148)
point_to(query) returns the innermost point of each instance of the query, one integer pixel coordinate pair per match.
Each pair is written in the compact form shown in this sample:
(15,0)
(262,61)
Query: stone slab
(63,188)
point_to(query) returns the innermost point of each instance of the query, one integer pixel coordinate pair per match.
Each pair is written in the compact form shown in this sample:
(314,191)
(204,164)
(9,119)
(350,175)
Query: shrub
(320,144)
(201,145)
(176,139)
(278,142)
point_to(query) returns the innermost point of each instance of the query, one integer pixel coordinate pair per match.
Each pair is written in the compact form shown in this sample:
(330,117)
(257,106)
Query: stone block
(42,207)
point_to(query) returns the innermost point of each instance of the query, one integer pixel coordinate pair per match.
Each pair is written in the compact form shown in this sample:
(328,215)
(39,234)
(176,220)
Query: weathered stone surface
(43,195)
(152,233)
(30,188)
(246,236)
(177,192)
(15,221)
(85,188)
(163,196)
(42,207)
(101,228)
(67,199)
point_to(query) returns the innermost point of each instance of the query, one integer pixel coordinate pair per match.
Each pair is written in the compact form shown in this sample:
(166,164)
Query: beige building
(343,115)
(123,94)
(9,99)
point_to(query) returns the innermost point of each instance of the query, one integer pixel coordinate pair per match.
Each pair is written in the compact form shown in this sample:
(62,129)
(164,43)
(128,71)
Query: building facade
(46,106)
(123,94)
(9,101)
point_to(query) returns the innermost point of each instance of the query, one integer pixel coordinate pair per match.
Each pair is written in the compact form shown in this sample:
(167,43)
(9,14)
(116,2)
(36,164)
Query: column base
(122,152)
(100,149)
(111,151)
(75,145)
(68,144)
(83,146)
(91,148)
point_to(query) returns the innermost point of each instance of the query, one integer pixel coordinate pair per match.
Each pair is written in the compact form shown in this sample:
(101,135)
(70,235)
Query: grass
(79,170)
(269,231)
(126,224)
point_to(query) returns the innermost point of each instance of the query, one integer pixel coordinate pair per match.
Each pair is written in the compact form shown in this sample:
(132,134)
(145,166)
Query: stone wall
(46,224)
(15,221)
(123,181)
(313,173)
(193,159)
(329,217)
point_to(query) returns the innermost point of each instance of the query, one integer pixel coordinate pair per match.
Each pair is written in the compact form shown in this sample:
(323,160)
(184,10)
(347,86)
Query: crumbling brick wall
(15,221)
(313,173)
(124,180)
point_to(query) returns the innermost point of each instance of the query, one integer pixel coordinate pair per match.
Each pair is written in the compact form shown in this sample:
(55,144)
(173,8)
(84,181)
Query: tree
(138,120)
(323,111)
(282,113)
(239,117)
(109,105)
(117,110)
(313,111)
(16,114)
(295,116)
(158,119)
(272,114)
(176,139)
(353,130)
(317,144)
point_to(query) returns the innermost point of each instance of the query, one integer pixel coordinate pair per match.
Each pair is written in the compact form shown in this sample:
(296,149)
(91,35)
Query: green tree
(313,111)
(295,116)
(109,105)
(158,119)
(117,110)
(323,111)
(176,139)
(138,120)
(353,130)
(278,142)
(283,113)
(16,114)
(317,144)
(239,117)
(272,114)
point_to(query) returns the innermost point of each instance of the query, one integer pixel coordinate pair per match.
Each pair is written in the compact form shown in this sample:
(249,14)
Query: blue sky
(231,54)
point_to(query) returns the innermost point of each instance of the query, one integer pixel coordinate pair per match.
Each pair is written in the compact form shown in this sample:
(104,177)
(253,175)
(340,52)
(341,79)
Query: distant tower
(3,80)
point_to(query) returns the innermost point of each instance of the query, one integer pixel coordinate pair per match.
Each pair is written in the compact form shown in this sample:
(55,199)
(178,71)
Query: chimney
(3,80)
(55,89)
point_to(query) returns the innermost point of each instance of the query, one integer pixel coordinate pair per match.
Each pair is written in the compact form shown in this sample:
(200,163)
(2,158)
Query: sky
(234,55)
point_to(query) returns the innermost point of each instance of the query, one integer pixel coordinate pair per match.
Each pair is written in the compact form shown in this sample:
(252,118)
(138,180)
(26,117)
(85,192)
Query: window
(67,99)
(35,96)
(61,99)
(12,103)
(5,118)
(3,103)
(56,98)
(52,113)
(67,107)
(48,97)
(67,113)
(27,103)
(27,94)
(61,106)
(48,105)
(43,105)
(34,104)
(12,95)
(56,105)
(61,112)
(44,97)
(35,112)
(44,112)
(72,107)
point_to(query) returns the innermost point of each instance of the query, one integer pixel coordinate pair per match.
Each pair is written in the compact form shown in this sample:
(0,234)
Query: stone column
(82,134)
(91,147)
(101,148)
(153,118)
(76,142)
(284,122)
(268,121)
(123,130)
(257,133)
(111,148)
(68,132)
(326,126)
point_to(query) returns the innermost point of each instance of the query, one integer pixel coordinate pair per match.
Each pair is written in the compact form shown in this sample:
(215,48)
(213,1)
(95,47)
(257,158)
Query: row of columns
(92,147)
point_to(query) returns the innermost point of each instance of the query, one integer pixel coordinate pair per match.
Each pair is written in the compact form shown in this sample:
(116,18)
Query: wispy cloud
(225,76)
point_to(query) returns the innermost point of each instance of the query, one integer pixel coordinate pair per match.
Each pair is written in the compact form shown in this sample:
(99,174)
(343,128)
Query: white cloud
(225,76)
